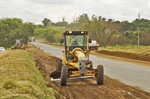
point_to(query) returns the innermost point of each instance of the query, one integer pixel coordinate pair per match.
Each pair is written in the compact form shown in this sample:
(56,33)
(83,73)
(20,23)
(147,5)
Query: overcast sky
(36,10)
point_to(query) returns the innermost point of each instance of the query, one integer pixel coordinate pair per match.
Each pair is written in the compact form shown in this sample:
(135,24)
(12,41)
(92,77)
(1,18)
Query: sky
(36,10)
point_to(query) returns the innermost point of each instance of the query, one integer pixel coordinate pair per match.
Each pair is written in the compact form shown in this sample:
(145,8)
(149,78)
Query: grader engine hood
(82,60)
(79,54)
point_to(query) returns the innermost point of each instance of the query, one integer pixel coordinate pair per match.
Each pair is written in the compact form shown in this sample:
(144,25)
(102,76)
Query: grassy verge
(140,50)
(20,79)
(132,52)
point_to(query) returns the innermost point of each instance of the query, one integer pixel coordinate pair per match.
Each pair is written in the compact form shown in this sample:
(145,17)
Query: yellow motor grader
(76,61)
(19,44)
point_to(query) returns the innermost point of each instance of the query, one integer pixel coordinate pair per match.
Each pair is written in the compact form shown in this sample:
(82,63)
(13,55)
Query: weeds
(134,49)
(20,79)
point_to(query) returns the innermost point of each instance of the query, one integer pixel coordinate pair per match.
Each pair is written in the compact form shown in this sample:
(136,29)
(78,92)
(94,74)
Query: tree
(39,26)
(61,23)
(8,28)
(14,28)
(104,19)
(28,28)
(83,18)
(125,26)
(94,17)
(46,22)
(100,18)
(49,34)
(124,32)
(110,20)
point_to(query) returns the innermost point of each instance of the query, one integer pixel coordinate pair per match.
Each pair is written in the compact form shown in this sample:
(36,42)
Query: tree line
(108,31)
(111,32)
(14,28)
(105,31)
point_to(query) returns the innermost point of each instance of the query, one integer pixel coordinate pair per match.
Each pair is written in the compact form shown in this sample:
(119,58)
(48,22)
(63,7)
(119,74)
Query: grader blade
(81,77)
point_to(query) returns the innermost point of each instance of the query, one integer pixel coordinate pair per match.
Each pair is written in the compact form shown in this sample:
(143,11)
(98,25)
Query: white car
(2,49)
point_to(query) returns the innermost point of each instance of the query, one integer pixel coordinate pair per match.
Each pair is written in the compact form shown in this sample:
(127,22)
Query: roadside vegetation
(122,35)
(14,28)
(49,34)
(21,79)
(107,32)
(129,51)
(140,50)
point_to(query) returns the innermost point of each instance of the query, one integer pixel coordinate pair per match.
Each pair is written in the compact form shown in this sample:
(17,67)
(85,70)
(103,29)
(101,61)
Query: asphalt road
(129,73)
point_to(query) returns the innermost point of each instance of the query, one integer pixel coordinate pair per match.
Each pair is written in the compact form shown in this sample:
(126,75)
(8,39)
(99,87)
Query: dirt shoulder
(145,57)
(140,62)
(86,88)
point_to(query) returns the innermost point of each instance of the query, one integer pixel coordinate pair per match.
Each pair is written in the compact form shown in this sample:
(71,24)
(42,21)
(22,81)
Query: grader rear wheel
(64,76)
(100,74)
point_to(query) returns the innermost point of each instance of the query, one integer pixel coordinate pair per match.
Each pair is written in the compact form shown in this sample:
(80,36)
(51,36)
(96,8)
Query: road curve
(126,72)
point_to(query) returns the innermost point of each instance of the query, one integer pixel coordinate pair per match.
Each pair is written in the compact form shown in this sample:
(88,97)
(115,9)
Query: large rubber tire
(64,76)
(59,64)
(100,75)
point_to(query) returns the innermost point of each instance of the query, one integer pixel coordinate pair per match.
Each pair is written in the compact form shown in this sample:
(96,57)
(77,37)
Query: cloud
(36,10)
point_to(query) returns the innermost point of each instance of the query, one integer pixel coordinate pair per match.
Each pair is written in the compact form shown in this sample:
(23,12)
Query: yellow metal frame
(77,73)
(73,64)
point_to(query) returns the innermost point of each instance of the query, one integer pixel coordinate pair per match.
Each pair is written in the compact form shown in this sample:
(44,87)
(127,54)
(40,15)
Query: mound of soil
(125,55)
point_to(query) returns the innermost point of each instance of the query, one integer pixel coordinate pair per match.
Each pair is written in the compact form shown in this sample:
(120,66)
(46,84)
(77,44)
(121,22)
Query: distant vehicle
(31,39)
(2,49)
(93,45)
(19,44)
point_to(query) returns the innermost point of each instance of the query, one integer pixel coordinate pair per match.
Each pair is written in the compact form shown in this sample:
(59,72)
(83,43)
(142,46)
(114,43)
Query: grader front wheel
(64,75)
(99,75)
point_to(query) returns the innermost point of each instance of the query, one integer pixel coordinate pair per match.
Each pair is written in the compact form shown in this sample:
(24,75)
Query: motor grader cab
(76,61)
(19,44)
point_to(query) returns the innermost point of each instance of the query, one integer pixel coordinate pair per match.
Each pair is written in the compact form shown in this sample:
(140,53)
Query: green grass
(20,79)
(141,50)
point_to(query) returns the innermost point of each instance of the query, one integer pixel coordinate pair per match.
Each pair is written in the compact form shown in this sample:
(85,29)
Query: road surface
(126,72)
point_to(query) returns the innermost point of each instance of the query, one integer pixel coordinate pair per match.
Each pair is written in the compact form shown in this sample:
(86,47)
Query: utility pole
(138,30)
